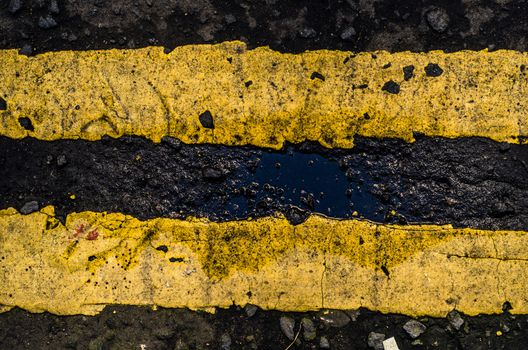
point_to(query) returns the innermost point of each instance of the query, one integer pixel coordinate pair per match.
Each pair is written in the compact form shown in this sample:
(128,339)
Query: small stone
(97,344)
(29,207)
(225,341)
(390,344)
(296,215)
(206,119)
(162,248)
(47,22)
(173,143)
(180,345)
(391,87)
(307,33)
(324,343)
(309,330)
(26,50)
(507,306)
(26,123)
(375,340)
(54,7)
(287,325)
(433,70)
(348,33)
(212,173)
(250,309)
(408,72)
(438,19)
(334,318)
(164,333)
(14,6)
(414,328)
(61,160)
(230,19)
(317,75)
(111,322)
(353,314)
(72,37)
(455,319)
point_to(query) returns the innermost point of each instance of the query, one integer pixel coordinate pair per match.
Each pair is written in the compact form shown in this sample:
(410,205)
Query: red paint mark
(92,235)
(79,231)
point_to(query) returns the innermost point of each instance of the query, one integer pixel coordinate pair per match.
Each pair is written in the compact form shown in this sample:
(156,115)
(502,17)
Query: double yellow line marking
(226,94)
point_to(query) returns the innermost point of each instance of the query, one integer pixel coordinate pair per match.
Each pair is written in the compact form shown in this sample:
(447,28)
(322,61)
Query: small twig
(296,336)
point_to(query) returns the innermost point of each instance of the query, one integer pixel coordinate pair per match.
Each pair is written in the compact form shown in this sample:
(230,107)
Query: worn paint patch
(262,97)
(96,259)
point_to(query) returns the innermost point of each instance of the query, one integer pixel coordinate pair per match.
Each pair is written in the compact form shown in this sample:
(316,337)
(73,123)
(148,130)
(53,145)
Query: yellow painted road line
(97,259)
(262,97)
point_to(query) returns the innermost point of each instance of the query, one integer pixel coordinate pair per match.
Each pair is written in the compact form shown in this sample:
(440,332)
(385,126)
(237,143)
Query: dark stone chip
(391,87)
(433,70)
(29,207)
(47,22)
(506,307)
(296,215)
(54,7)
(317,75)
(14,6)
(3,104)
(206,119)
(173,143)
(91,258)
(26,123)
(162,248)
(408,72)
(210,173)
(385,270)
(26,50)
(176,259)
(248,83)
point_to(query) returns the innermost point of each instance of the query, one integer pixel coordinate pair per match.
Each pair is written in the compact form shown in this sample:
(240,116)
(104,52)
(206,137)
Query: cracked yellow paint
(96,259)
(262,97)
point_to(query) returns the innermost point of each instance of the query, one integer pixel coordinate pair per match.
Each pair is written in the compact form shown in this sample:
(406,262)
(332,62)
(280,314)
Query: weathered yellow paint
(96,259)
(262,97)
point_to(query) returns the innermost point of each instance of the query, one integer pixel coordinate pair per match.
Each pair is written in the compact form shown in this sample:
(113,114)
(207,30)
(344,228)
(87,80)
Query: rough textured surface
(263,98)
(464,182)
(321,263)
(357,25)
(119,327)
(286,26)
